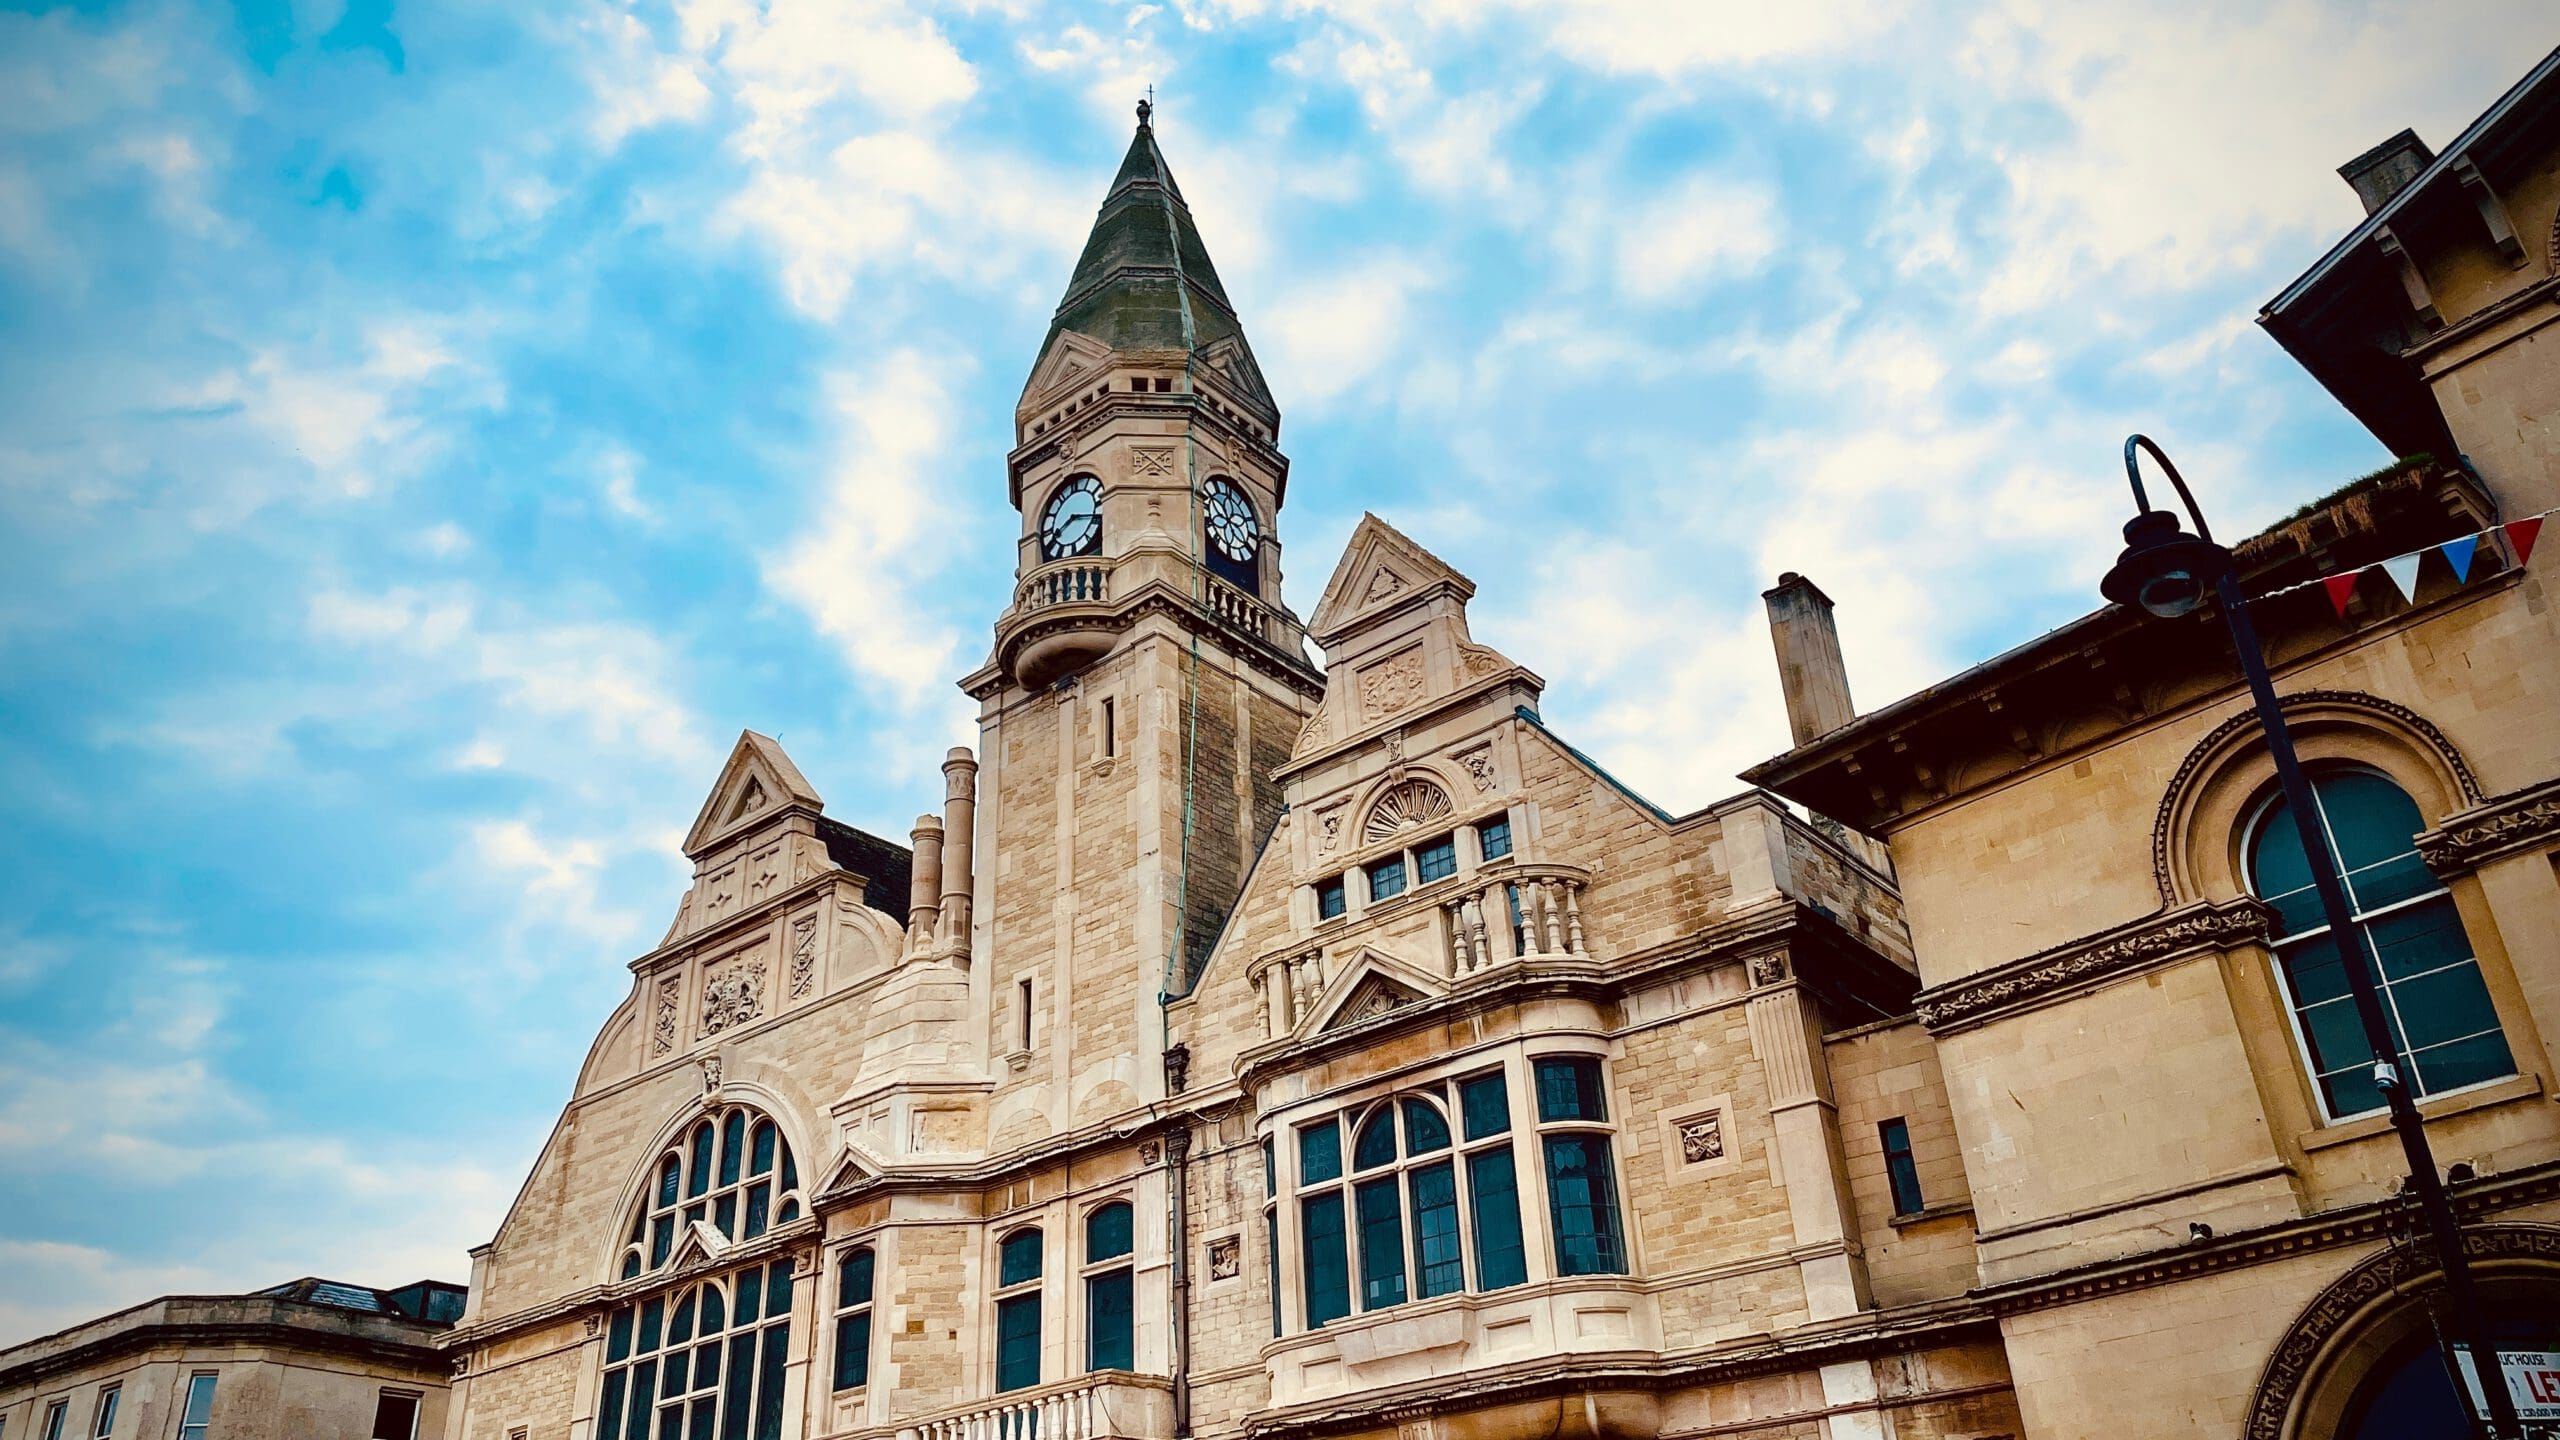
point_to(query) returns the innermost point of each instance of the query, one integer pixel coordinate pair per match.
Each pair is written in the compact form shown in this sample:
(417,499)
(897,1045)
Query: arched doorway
(2362,1362)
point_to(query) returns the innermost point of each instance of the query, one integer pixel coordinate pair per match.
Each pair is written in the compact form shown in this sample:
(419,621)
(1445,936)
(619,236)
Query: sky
(429,434)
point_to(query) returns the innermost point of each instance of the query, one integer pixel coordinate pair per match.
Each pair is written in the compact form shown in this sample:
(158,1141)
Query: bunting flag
(2459,554)
(2403,570)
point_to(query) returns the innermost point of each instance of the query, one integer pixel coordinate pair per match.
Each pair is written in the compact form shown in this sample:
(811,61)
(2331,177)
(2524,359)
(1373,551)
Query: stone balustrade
(1068,582)
(1290,988)
(1530,913)
(1240,610)
(1108,1406)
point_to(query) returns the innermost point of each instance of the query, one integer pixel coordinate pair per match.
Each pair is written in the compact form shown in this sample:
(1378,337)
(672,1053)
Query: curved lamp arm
(2133,473)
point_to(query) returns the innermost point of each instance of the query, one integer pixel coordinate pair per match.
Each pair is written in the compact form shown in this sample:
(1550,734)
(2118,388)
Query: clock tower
(1147,680)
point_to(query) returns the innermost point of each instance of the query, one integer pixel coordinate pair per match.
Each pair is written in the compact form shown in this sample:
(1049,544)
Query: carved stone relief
(1151,460)
(1381,585)
(720,894)
(1226,1258)
(1702,1138)
(1329,828)
(764,872)
(1767,970)
(662,1025)
(1478,764)
(804,955)
(1415,802)
(733,995)
(1391,685)
(710,1074)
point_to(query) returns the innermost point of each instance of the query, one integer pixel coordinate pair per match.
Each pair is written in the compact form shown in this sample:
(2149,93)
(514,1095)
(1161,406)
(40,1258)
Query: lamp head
(2164,570)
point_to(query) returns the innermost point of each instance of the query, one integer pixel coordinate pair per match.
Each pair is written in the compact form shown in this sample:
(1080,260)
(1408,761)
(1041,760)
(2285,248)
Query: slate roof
(1145,280)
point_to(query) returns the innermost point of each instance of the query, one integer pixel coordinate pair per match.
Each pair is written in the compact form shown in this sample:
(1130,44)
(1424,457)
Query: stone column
(1804,1132)
(924,885)
(959,841)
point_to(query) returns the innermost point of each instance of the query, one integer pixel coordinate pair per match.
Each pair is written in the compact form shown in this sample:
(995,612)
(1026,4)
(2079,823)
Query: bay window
(1582,1186)
(853,1318)
(1018,1267)
(1110,1315)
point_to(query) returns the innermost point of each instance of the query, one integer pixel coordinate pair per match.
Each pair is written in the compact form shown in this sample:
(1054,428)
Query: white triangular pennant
(2403,570)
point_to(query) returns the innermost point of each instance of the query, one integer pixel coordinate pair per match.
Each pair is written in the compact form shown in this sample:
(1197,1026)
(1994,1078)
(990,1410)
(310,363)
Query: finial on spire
(1146,107)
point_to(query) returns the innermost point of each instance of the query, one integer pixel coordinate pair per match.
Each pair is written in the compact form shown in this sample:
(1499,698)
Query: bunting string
(2402,570)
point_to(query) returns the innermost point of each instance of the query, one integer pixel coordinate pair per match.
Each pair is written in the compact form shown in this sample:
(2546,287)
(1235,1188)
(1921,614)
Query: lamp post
(2167,572)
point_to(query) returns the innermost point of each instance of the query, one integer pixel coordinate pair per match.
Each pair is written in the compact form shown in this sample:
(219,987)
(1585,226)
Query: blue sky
(428,434)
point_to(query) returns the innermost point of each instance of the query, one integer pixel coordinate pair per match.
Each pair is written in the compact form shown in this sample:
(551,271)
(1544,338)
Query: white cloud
(1705,229)
(559,878)
(636,84)
(859,566)
(1329,333)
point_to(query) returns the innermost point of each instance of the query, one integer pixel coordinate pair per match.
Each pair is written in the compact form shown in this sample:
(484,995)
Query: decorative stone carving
(1477,661)
(1391,685)
(1329,828)
(733,995)
(1702,1139)
(1177,1068)
(1149,1152)
(1151,460)
(2354,1296)
(2091,961)
(710,1074)
(720,895)
(1381,585)
(1415,802)
(1376,996)
(1767,970)
(2512,821)
(1226,1258)
(1478,764)
(764,873)
(662,1025)
(595,1326)
(804,955)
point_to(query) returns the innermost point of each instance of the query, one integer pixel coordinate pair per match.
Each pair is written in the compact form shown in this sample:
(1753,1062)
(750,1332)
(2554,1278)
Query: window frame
(1011,1296)
(1587,1129)
(2313,939)
(1332,893)
(1901,1167)
(1092,1269)
(642,1327)
(786,1200)
(200,1382)
(102,1414)
(57,1414)
(843,1312)
(417,1410)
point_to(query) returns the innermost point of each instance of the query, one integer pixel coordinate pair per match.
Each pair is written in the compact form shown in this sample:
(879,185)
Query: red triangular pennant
(2341,588)
(2520,534)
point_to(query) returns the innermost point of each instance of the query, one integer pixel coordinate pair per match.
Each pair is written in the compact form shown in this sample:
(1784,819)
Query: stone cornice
(2351,1225)
(225,1321)
(1119,617)
(2502,825)
(2088,962)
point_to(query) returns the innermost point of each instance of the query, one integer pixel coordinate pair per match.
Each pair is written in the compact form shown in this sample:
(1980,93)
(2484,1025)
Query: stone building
(309,1357)
(1245,1047)
(2185,1195)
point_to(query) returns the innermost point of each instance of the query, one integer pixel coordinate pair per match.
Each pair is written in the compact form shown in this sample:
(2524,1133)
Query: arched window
(853,1319)
(1110,1317)
(706,1360)
(1018,1264)
(1396,1213)
(2432,990)
(732,1171)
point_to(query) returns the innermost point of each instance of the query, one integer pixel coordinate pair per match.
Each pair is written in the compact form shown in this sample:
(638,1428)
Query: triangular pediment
(1381,569)
(1370,986)
(853,1167)
(1070,360)
(758,783)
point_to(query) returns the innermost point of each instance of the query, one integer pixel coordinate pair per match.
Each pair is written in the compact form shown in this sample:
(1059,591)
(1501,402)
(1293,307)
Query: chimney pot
(2386,169)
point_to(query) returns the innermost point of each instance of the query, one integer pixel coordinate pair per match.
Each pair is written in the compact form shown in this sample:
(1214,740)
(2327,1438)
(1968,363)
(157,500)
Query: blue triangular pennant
(2457,553)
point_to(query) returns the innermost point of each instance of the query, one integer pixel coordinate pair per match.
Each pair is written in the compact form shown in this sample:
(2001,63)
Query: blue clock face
(1072,525)
(1232,527)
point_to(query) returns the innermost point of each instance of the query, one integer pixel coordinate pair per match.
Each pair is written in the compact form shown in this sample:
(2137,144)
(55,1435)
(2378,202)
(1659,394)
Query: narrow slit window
(1022,1014)
(1110,728)
(1898,1167)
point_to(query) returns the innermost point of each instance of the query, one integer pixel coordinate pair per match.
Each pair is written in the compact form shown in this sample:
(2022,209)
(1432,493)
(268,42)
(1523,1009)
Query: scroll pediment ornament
(1373,984)
(1373,997)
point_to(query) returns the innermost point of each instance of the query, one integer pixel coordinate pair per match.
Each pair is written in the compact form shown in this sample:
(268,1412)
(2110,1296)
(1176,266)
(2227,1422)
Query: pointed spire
(1145,281)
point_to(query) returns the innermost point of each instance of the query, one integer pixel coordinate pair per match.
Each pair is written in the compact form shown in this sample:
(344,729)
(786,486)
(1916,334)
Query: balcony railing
(1528,914)
(1240,610)
(1109,1406)
(1073,582)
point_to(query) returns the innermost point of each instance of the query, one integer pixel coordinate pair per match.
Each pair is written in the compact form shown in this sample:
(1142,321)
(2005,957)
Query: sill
(1927,1213)
(2441,1107)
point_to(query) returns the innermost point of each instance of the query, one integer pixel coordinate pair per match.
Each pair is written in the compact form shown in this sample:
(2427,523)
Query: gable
(1374,996)
(1070,360)
(758,782)
(1381,569)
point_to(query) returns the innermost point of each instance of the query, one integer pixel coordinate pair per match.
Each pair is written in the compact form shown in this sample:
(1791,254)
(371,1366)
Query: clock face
(1072,525)
(1232,527)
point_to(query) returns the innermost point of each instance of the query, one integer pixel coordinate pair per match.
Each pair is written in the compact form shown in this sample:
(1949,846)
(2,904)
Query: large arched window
(703,1361)
(2432,990)
(1390,1230)
(731,1170)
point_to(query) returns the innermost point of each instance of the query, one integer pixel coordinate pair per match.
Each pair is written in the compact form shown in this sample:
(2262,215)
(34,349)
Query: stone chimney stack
(1810,669)
(924,887)
(2387,168)
(959,846)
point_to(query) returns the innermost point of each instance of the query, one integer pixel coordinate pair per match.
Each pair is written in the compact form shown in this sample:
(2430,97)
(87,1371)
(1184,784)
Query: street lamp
(2167,572)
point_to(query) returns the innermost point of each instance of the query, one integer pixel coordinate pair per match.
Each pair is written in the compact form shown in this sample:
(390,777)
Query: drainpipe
(1177,1159)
